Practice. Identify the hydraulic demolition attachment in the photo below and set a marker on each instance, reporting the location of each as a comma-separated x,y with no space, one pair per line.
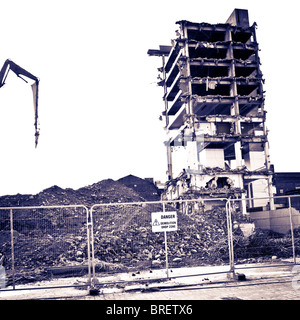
10,65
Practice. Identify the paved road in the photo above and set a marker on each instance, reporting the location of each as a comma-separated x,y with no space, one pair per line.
265,283
281,283
275,289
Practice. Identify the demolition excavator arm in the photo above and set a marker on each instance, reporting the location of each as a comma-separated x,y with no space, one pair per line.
10,65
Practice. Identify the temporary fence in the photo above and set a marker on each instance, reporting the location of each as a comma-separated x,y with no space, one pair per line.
124,237
37,243
263,235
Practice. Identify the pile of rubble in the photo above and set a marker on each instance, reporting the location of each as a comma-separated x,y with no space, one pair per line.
53,237
144,187
104,191
265,244
123,237
200,239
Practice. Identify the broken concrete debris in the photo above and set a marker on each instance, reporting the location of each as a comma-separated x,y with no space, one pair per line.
40,251
55,243
58,237
105,191
144,187
56,240
126,189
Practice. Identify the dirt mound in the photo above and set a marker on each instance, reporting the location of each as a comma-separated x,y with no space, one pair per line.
105,191
126,237
144,187
46,237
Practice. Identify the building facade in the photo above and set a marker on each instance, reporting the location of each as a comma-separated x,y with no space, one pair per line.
214,112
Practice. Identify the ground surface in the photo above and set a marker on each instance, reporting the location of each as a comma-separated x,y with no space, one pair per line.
202,283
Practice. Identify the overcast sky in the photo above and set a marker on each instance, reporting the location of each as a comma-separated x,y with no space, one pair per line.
99,104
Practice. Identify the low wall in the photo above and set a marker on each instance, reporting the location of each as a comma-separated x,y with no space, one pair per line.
276,220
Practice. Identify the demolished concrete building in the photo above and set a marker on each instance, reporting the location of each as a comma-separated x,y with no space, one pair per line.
214,112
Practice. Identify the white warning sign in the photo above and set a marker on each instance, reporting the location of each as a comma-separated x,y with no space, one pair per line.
164,221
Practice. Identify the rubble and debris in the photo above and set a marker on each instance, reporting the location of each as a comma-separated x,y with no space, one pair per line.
53,237
143,187
104,191
123,239
48,245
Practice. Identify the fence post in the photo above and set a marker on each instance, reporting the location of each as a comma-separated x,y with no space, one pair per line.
229,235
166,247
88,245
12,248
91,243
292,230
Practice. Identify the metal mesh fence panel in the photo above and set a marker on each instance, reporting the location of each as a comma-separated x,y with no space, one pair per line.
5,247
201,238
124,240
265,235
43,242
294,211
122,235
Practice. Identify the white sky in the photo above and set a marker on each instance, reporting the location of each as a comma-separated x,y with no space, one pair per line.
99,104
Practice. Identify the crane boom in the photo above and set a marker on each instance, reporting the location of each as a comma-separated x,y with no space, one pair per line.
10,65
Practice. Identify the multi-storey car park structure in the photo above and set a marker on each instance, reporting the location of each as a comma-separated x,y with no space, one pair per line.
214,111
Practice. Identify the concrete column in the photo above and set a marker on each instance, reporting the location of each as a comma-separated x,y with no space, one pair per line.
169,158
238,154
192,155
243,206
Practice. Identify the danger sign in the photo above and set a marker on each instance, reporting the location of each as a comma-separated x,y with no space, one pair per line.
164,221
